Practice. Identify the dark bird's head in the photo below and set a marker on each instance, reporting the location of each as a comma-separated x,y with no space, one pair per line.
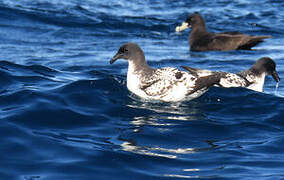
266,65
130,52
193,20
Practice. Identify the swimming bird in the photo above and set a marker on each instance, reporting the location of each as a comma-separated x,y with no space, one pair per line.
201,40
252,78
165,84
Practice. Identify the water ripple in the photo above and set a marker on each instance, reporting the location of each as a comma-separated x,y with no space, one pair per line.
66,112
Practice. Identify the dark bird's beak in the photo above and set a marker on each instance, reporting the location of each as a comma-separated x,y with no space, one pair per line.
115,57
275,76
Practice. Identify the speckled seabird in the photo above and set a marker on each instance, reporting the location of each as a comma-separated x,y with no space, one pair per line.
201,40
166,84
252,78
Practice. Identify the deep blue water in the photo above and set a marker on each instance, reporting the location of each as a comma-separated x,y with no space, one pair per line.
65,112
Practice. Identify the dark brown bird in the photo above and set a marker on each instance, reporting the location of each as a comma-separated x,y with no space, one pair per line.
201,40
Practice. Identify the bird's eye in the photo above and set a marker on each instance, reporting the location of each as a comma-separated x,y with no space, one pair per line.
189,19
123,50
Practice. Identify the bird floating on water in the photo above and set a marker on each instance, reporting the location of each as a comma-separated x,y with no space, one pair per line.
166,84
201,40
252,78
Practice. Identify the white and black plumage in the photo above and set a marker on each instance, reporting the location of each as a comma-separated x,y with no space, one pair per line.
252,78
201,40
166,84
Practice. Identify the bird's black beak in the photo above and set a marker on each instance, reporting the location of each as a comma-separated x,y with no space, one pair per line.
115,57
275,76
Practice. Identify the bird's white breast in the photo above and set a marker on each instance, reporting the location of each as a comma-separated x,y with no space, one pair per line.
257,82
133,81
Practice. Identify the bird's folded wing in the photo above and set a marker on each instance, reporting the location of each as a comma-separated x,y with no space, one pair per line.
233,80
161,81
198,72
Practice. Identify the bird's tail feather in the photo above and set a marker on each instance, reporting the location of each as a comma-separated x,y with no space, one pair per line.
253,41
262,37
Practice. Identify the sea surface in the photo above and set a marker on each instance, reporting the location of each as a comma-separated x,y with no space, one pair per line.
65,112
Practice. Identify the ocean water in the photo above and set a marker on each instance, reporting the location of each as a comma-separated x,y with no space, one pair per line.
65,112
